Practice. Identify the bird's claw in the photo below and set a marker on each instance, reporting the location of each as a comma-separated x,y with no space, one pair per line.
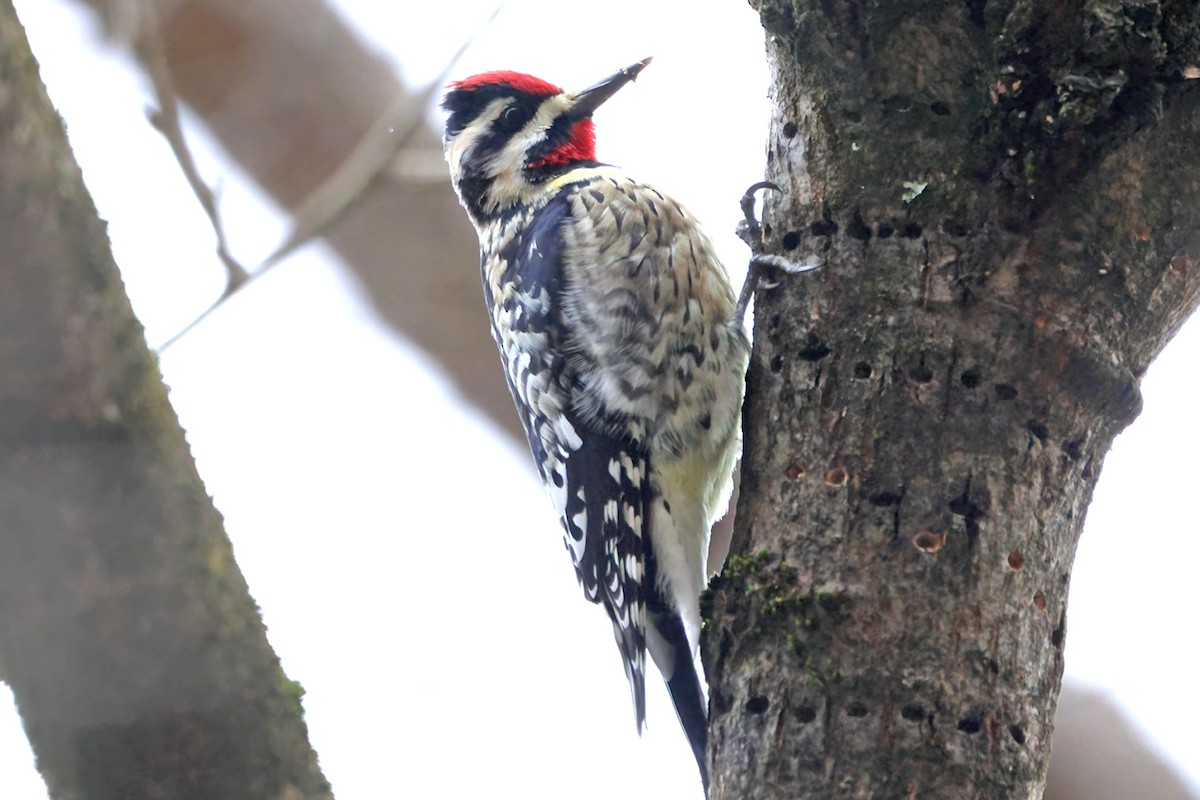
768,264
749,229
766,271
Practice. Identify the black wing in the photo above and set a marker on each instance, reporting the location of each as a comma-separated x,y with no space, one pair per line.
597,479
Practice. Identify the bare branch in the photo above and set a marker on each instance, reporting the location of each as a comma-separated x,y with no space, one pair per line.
138,19
374,154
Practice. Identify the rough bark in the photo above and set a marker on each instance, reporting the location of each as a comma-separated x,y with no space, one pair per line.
137,657
1007,199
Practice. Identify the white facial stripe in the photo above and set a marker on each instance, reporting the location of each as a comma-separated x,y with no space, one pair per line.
513,154
504,170
507,167
458,147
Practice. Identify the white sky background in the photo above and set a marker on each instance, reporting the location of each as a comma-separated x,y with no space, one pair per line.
408,566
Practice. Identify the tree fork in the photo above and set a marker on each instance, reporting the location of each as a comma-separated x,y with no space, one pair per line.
1005,198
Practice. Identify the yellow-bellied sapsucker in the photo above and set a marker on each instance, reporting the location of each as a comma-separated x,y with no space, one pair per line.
625,353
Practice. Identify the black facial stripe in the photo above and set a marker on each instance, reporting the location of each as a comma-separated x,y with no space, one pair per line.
465,105
559,133
512,119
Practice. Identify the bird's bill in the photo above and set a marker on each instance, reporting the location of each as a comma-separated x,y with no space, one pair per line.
586,102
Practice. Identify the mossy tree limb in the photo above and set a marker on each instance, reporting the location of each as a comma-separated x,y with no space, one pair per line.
137,657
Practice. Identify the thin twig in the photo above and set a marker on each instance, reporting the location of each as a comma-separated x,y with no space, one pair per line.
373,155
147,41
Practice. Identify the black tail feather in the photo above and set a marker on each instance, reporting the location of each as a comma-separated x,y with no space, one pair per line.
679,668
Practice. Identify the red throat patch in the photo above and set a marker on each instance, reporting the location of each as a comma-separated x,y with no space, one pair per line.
518,80
580,147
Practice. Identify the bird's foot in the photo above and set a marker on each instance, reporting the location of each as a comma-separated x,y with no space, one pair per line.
749,230
766,271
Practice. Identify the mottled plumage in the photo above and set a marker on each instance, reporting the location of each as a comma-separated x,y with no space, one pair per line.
616,325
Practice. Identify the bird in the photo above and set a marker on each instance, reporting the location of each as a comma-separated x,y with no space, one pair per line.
623,345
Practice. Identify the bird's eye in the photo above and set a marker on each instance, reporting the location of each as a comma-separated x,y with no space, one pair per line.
511,117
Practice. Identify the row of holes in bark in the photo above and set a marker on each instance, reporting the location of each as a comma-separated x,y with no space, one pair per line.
814,349
856,229
891,103
894,102
969,724
970,378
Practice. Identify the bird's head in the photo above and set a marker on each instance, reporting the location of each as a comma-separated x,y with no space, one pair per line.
508,133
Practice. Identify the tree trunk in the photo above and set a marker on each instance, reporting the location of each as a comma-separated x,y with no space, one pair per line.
137,657
1006,196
